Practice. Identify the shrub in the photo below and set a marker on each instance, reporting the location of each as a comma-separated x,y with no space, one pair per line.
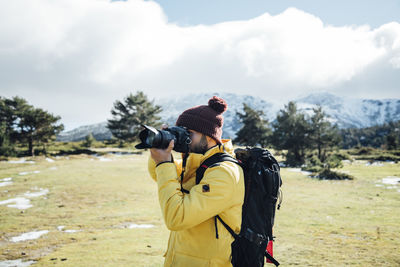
89,140
343,155
363,151
312,164
327,174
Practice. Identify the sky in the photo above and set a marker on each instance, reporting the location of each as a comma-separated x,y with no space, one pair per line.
75,58
337,13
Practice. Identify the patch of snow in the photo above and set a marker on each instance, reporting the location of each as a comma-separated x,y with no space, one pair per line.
21,161
391,187
61,228
15,263
20,203
37,194
134,225
5,183
393,180
50,160
72,231
104,159
25,173
29,236
375,163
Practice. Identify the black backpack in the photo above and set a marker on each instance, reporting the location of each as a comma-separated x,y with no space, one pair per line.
262,189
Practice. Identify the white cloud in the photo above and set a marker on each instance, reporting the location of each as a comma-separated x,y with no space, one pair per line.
92,52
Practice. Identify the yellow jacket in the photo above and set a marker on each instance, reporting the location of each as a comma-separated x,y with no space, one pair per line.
190,217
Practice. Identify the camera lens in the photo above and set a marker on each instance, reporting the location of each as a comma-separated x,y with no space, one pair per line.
150,138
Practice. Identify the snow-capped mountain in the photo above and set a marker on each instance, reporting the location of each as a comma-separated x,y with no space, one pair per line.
172,108
346,112
352,112
98,130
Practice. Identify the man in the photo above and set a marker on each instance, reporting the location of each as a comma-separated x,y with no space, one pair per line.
197,238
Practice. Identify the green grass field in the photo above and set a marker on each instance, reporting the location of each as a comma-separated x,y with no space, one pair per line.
320,223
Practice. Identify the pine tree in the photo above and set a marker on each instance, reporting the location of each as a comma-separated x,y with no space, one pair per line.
324,136
22,123
6,122
6,147
392,140
292,133
255,130
39,127
89,140
11,111
130,114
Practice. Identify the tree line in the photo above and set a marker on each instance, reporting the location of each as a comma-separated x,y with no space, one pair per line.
379,136
23,124
306,139
302,137
292,131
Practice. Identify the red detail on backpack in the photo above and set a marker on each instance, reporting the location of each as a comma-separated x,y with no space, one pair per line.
270,250
204,166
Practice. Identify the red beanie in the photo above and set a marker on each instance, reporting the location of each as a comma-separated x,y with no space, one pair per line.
206,119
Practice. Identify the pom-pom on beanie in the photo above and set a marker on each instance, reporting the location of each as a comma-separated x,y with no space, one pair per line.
206,119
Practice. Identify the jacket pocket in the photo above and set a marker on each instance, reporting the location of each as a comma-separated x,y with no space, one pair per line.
184,260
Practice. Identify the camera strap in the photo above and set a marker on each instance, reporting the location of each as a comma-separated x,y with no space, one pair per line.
183,190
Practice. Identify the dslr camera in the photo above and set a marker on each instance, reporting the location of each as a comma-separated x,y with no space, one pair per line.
153,138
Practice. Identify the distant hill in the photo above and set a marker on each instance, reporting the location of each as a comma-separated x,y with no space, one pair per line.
235,103
98,130
346,112
353,113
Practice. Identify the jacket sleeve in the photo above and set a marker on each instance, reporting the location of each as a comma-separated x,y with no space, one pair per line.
182,211
151,167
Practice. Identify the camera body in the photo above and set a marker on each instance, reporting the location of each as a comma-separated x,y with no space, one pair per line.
153,138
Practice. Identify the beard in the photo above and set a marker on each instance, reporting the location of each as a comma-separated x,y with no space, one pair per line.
201,147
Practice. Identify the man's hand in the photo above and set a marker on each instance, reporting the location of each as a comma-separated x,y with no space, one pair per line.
161,155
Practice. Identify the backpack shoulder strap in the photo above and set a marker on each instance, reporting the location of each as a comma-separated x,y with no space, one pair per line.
212,161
